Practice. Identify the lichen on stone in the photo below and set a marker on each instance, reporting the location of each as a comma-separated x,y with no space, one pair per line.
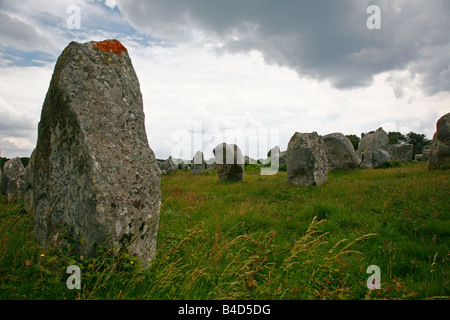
113,46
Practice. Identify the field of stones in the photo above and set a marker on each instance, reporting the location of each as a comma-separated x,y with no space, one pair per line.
94,198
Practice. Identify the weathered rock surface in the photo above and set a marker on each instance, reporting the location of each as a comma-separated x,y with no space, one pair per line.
198,163
306,160
340,152
93,173
13,180
372,149
401,152
169,166
229,162
440,147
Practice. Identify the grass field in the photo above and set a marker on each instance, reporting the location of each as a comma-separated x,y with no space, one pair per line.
260,239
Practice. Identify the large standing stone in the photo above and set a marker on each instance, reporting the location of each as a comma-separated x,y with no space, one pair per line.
440,147
94,175
198,163
306,160
13,180
229,162
340,152
372,149
401,152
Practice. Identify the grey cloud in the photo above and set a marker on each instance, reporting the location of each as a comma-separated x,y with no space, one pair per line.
324,39
15,33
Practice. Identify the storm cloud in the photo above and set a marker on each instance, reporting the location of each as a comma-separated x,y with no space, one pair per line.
322,39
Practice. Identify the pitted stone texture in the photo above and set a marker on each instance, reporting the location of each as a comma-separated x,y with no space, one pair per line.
93,173
306,160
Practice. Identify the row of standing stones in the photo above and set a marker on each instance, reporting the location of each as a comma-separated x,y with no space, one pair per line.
93,175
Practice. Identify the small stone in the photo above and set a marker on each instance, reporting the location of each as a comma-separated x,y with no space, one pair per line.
229,162
198,163
13,180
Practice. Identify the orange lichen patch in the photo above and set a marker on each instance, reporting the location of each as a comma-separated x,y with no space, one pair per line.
113,46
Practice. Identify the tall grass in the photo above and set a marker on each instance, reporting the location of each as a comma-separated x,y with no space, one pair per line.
260,239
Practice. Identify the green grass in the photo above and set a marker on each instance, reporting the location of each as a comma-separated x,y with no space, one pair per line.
260,239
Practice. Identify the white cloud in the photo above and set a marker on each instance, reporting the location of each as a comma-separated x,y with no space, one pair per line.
111,3
19,143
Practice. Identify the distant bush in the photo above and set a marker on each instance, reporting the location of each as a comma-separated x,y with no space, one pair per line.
354,139
25,161
252,168
281,167
391,164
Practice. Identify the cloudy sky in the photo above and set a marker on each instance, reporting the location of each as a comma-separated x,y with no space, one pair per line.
240,67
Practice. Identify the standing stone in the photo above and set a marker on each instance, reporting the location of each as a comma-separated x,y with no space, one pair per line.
340,152
276,156
249,160
13,180
229,162
210,164
282,159
94,175
198,163
401,152
440,147
184,165
169,166
426,151
306,160
372,149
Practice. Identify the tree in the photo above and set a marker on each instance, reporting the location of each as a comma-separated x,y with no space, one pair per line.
396,137
418,140
2,163
354,139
